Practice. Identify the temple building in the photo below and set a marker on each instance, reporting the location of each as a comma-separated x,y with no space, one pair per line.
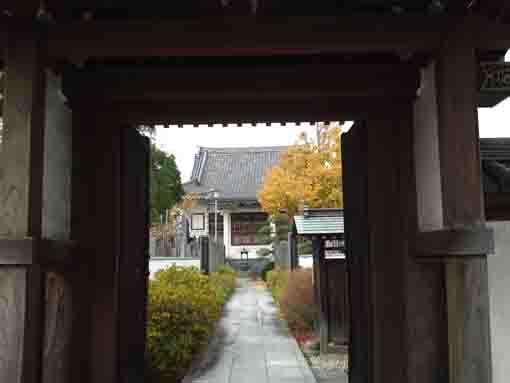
226,182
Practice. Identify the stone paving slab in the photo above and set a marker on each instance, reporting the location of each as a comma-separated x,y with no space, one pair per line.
252,345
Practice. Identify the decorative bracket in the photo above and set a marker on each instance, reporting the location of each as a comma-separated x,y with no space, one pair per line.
455,242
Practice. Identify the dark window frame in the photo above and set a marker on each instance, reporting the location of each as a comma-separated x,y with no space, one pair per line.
245,232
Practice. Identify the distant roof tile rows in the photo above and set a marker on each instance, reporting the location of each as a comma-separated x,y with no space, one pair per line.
235,173
495,156
320,221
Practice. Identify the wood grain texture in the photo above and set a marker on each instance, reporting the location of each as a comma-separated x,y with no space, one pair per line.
337,300
81,228
133,257
57,330
21,198
56,206
466,280
426,153
264,36
12,319
321,293
425,309
387,251
16,251
254,36
458,137
228,111
21,176
357,242
248,82
460,243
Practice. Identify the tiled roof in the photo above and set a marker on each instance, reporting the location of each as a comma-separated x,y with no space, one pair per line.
495,156
320,221
235,173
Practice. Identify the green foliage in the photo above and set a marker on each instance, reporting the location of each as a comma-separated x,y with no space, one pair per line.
264,233
264,252
166,186
184,306
304,246
267,268
275,228
277,281
224,281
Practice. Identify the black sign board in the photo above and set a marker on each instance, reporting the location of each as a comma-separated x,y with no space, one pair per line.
495,77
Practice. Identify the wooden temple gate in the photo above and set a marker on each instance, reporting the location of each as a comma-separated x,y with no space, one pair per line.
80,74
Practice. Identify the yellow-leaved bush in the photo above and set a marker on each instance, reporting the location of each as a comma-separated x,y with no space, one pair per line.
293,291
184,306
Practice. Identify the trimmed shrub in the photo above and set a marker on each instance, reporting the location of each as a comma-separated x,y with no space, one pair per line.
224,282
297,301
184,306
293,291
277,280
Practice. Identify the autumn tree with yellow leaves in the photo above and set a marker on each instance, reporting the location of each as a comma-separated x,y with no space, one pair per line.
308,173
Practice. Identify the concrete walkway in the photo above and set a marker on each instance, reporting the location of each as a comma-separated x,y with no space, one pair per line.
253,345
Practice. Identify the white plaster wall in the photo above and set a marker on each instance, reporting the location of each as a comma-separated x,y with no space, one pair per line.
499,287
305,261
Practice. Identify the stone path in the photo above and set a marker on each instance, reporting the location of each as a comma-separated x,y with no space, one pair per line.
253,345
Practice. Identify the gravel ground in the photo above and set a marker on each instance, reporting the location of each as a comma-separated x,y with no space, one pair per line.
328,368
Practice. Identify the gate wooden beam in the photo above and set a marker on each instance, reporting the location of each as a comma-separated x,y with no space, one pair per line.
497,9
261,83
21,8
33,250
229,111
470,242
245,36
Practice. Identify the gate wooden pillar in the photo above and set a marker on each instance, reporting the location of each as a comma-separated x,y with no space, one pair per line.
395,302
35,275
450,209
110,220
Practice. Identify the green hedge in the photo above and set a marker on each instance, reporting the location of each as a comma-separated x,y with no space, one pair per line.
184,306
277,280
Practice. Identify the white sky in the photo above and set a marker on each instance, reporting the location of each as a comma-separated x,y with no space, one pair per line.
184,142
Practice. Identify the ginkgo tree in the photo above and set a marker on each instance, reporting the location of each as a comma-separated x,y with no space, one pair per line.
307,173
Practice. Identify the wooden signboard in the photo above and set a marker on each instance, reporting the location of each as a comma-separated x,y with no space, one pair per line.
495,77
494,80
